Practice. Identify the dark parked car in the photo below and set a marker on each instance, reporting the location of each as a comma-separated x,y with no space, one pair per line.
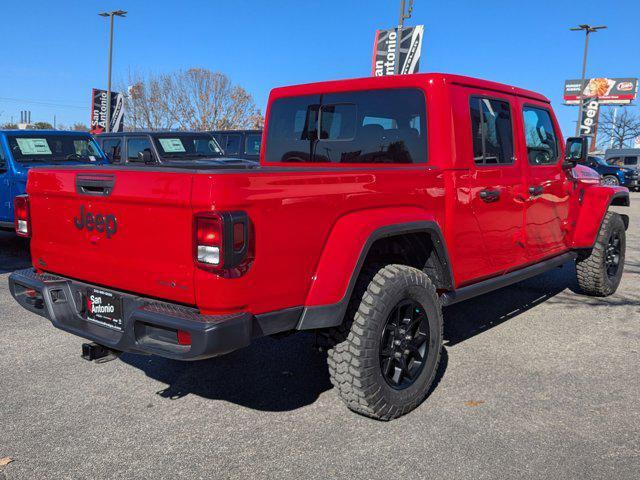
613,174
175,149
240,143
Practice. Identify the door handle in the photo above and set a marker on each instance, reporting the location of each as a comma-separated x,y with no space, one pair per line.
489,195
536,190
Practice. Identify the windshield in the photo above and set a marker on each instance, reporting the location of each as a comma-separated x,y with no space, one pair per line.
599,161
187,146
51,148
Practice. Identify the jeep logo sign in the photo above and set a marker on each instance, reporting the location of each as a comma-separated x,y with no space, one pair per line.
98,222
589,119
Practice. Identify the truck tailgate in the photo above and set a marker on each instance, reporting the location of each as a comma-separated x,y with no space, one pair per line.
128,230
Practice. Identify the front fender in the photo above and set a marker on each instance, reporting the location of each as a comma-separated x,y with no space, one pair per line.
593,203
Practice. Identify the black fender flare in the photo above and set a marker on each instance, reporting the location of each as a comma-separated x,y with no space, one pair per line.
324,316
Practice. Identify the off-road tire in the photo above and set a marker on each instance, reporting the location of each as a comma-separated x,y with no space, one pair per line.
591,267
354,357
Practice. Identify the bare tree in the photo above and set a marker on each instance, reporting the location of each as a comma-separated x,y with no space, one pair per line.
80,127
194,99
619,130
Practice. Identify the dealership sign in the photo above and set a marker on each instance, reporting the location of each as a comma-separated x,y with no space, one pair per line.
397,51
99,111
618,91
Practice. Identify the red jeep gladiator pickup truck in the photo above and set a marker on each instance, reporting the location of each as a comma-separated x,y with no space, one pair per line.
378,201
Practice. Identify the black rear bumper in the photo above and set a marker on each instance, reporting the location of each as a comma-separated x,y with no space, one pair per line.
149,326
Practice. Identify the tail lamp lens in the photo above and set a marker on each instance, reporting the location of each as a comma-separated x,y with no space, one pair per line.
222,240
21,213
209,240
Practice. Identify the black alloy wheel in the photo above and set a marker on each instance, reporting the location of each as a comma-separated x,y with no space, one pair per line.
404,344
612,254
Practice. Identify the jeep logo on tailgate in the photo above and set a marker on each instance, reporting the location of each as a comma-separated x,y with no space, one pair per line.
98,222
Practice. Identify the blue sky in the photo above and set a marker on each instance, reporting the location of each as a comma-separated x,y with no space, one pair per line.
55,51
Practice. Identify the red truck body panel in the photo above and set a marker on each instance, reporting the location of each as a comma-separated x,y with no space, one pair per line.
311,221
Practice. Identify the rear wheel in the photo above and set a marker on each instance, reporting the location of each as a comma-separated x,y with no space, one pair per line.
610,180
600,271
388,358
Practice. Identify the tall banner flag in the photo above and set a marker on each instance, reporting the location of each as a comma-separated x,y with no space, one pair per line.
98,122
589,120
397,51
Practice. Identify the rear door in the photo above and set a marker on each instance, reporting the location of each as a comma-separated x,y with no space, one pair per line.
548,188
127,229
496,177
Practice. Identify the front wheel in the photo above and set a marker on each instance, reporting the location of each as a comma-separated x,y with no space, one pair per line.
386,363
600,271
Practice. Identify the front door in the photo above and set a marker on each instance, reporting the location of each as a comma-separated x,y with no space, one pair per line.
547,188
496,177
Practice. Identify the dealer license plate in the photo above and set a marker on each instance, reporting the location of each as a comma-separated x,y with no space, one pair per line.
104,308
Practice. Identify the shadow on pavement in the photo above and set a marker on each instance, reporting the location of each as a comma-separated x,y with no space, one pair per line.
14,252
286,374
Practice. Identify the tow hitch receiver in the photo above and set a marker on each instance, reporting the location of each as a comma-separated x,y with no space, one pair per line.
99,353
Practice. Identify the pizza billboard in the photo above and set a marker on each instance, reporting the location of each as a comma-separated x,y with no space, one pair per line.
613,91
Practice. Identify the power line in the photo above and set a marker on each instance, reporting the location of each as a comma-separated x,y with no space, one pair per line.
41,102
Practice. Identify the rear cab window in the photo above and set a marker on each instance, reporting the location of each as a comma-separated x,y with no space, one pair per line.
375,126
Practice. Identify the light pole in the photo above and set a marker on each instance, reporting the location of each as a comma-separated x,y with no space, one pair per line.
404,14
587,30
111,15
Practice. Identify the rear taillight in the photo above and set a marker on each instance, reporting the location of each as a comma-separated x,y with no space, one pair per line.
22,217
209,240
222,241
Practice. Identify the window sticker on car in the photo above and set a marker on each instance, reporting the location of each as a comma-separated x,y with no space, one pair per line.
172,145
33,146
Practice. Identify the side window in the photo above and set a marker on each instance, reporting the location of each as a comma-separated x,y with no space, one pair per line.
222,140
614,161
234,141
492,131
252,144
631,160
135,146
542,142
3,162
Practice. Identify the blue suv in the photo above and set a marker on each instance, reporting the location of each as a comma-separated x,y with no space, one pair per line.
20,150
612,174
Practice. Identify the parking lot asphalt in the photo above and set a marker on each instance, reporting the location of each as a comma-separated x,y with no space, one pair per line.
537,381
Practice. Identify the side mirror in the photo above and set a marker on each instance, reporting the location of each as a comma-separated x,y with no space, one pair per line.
145,157
576,151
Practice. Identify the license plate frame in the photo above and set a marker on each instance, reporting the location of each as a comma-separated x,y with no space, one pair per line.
104,308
